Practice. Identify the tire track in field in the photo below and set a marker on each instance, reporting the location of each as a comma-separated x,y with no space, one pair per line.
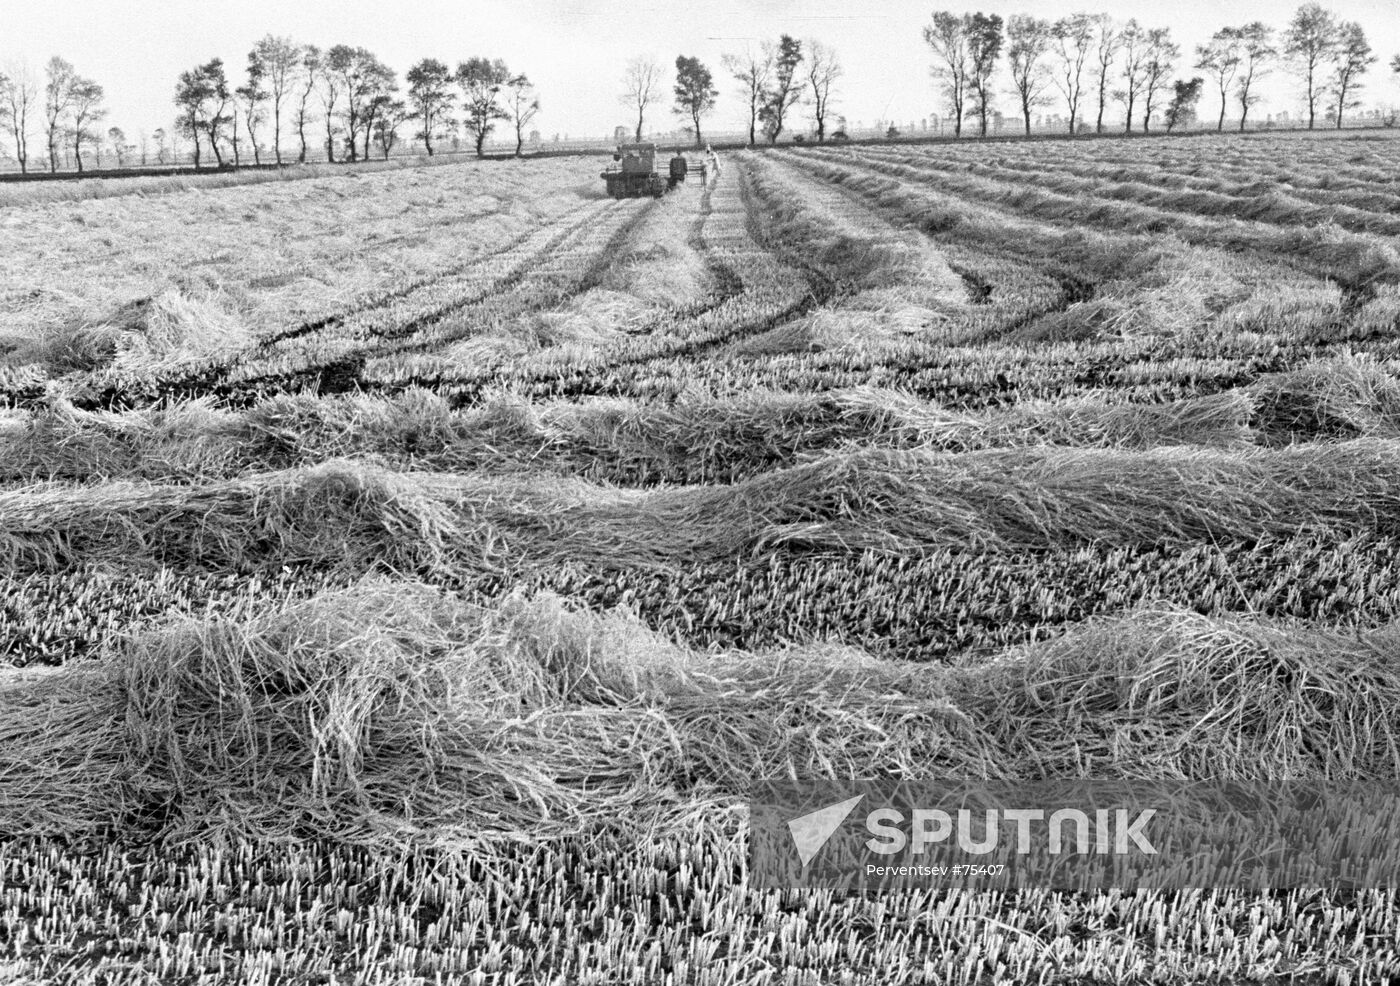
971,262
1330,257
756,292
245,381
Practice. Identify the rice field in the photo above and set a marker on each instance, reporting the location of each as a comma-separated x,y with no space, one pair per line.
405,573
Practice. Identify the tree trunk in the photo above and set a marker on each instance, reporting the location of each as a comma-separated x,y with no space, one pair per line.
78,153
640,113
1220,126
428,134
277,132
481,143
695,118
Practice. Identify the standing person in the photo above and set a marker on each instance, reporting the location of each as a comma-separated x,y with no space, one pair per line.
679,167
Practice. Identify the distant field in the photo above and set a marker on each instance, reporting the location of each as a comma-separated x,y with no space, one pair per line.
434,554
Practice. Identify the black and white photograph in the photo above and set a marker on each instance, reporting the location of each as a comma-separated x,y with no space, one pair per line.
691,493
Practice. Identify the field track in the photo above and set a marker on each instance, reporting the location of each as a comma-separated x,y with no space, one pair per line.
434,556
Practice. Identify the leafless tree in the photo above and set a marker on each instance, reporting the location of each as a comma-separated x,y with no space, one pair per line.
753,72
19,98
1310,42
823,70
58,97
642,86
1162,53
952,66
1221,58
1073,38
85,98
308,82
1135,54
1110,42
1029,40
1256,50
522,103
276,61
1353,58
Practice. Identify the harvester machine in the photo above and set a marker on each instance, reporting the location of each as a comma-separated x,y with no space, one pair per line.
633,172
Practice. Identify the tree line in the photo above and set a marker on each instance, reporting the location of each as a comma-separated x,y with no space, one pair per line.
773,80
342,98
347,101
1093,56
351,99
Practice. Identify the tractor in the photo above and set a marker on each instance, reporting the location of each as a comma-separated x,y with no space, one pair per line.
633,173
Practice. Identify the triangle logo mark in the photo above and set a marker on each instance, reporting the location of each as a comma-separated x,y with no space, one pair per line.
811,831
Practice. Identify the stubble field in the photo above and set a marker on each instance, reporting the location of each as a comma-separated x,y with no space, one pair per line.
405,573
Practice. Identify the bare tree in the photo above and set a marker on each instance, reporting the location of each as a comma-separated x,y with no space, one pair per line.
753,72
1310,42
19,96
58,97
250,99
1256,51
328,89
641,87
1029,40
275,62
984,40
1162,53
522,103
1110,42
308,82
85,98
1353,58
952,66
1135,55
482,80
1221,58
1073,38
430,95
823,70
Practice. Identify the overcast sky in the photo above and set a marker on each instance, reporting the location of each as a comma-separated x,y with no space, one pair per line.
575,51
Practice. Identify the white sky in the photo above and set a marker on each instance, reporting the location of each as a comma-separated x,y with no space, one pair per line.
575,50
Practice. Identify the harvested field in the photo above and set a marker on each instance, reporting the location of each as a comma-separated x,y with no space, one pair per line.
404,573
